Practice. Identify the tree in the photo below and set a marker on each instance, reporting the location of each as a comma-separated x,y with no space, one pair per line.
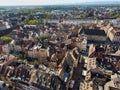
32,22
23,18
6,38
44,37
35,62
20,56
6,12
81,16
114,15
41,21
30,17
118,16
48,16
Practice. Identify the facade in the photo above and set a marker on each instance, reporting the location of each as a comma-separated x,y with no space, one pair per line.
71,21
75,56
86,85
82,42
33,53
6,48
65,70
90,63
93,34
114,83
112,32
17,48
42,55
114,35
4,25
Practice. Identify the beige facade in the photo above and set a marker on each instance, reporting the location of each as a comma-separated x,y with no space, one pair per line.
81,42
33,53
112,83
90,63
6,49
112,32
75,59
96,38
17,48
86,74
114,36
86,85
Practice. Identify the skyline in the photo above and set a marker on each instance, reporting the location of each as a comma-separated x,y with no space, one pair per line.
48,2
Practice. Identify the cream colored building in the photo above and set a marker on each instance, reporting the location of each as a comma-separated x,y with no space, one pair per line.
115,83
114,35
4,25
33,52
90,63
86,85
86,74
75,57
6,48
81,42
112,32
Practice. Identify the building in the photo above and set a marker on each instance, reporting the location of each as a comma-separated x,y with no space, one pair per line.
114,83
33,52
93,34
86,85
66,67
86,74
112,31
89,63
114,35
6,48
4,25
81,42
43,55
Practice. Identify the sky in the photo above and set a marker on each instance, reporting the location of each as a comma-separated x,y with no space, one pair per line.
44,2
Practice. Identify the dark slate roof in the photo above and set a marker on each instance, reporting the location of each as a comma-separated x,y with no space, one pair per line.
93,32
18,42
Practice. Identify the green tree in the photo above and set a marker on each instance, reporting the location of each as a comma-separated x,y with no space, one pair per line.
49,16
23,18
81,16
41,21
44,37
30,16
6,12
32,22
6,38
35,62
114,15
118,16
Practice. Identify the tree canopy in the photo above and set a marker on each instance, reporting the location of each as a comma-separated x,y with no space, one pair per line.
6,38
34,22
81,16
114,14
44,37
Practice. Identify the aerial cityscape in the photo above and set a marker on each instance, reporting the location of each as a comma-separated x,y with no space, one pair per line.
60,45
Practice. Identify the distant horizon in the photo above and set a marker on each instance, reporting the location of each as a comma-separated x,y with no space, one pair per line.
55,2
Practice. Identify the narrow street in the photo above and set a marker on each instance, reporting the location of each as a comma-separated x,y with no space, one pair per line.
77,76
